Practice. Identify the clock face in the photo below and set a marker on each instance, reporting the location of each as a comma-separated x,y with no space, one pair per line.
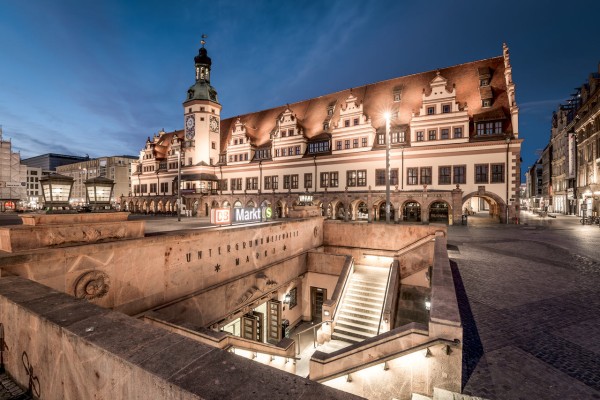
189,127
214,124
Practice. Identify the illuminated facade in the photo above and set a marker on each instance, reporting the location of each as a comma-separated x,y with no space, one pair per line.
453,138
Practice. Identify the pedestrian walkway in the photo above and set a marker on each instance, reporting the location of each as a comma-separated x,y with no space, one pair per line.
528,297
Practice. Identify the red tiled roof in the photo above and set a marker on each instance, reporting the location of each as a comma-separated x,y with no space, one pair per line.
377,98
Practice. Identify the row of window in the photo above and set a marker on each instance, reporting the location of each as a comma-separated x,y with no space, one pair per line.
489,128
444,134
346,143
32,179
287,151
241,157
446,108
456,174
143,188
447,175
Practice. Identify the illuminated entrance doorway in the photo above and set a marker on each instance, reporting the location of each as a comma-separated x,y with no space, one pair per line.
262,324
317,297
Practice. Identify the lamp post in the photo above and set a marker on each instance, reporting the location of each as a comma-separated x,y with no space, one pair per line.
179,186
387,167
507,176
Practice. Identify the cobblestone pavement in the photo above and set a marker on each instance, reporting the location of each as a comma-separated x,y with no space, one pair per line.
530,307
10,391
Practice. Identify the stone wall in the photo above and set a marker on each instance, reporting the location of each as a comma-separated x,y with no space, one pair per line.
77,350
135,275
385,237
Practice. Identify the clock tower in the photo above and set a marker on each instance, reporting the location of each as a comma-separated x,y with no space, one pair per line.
202,111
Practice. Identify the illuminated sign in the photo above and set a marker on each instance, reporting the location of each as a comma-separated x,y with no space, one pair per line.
223,216
252,214
220,216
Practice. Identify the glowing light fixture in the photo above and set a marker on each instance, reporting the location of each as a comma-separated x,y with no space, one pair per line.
57,191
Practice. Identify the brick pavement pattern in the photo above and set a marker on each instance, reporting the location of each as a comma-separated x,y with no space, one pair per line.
530,307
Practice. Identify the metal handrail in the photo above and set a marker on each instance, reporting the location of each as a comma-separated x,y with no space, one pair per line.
314,327
391,356
387,286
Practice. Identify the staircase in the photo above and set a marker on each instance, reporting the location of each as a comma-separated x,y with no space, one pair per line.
360,310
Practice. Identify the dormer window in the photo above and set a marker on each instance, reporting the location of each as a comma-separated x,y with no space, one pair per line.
346,123
325,126
484,82
397,95
291,132
283,133
241,141
235,141
486,103
430,110
355,121
489,128
445,108
330,111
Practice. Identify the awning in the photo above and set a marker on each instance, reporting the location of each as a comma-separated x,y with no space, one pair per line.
198,177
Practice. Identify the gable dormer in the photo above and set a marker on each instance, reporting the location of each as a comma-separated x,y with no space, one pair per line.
289,139
351,113
440,118
353,131
239,148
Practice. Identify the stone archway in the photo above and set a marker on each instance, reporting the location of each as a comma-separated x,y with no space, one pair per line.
339,210
411,211
497,206
440,212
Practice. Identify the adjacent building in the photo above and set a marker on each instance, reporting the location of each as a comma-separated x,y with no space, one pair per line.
116,168
570,176
35,197
452,136
50,161
12,177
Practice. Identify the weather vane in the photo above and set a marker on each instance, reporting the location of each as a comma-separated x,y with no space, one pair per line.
203,42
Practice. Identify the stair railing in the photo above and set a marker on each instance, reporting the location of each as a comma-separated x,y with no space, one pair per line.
314,329
386,294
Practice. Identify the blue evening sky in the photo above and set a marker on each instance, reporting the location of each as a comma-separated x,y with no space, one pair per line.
98,77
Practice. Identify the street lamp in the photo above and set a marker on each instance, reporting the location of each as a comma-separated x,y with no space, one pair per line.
387,167
99,191
57,191
179,185
507,176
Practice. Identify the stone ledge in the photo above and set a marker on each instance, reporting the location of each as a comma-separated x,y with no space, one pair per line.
31,237
109,355
84,218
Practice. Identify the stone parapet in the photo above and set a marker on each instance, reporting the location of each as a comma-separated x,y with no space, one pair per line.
84,218
37,236
77,350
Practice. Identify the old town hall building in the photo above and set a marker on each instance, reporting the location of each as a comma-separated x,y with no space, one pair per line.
453,139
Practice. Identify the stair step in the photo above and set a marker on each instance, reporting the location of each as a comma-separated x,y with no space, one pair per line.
371,318
366,299
357,335
368,306
345,338
354,324
367,287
